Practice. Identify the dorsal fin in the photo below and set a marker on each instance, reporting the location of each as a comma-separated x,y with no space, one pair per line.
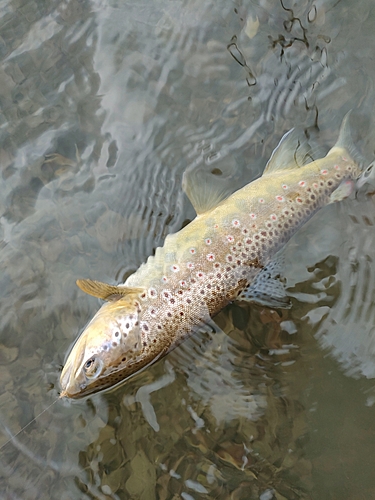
105,291
293,151
205,191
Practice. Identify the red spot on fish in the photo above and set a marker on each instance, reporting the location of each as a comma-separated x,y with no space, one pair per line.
280,198
284,186
208,241
261,200
337,167
210,257
253,216
302,183
230,238
299,200
324,172
273,217
190,265
192,251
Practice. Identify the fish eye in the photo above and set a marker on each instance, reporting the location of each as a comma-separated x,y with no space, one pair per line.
89,363
92,367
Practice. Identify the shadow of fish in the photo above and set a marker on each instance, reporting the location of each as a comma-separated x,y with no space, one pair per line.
226,253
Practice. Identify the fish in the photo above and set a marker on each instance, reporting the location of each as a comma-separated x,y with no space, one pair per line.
228,252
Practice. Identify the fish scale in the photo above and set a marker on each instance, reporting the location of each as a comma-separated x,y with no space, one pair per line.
214,260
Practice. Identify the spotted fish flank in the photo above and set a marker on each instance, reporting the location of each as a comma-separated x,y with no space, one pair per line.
224,254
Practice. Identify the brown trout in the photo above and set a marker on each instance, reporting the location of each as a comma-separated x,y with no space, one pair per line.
224,254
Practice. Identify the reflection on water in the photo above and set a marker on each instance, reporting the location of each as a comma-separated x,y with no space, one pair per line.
103,107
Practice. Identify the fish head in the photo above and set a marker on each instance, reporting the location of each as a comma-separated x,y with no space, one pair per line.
107,351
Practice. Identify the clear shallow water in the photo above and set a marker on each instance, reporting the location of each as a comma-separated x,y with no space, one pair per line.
103,107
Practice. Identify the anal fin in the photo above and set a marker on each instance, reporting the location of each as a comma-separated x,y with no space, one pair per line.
205,190
293,151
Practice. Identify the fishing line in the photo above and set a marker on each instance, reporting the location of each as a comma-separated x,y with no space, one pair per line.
12,437
60,468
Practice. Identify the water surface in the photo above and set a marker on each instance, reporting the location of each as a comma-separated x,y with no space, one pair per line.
103,107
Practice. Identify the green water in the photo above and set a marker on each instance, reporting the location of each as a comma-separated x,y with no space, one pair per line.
103,107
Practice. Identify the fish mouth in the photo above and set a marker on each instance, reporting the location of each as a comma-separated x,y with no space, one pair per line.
72,382
72,385
65,393
65,377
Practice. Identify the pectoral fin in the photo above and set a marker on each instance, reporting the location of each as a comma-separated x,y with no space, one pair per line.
105,291
268,287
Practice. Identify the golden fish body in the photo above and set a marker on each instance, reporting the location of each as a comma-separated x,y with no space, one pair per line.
201,268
